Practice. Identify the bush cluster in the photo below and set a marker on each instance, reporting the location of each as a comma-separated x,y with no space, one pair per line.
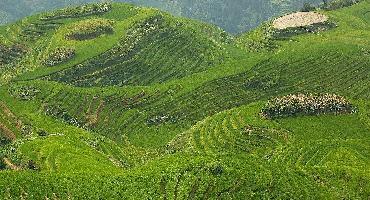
80,11
10,53
293,31
91,28
307,7
4,141
2,164
260,39
17,160
59,112
59,55
262,82
337,4
24,92
329,5
306,104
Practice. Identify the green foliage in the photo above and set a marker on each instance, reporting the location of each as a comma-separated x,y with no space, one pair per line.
259,40
9,54
24,92
79,11
309,104
2,165
91,28
262,82
337,4
4,141
307,7
58,112
59,55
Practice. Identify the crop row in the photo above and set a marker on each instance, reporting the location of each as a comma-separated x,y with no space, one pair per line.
35,29
199,178
153,51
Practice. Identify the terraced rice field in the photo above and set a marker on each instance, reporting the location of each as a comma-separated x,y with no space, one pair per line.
170,108
154,51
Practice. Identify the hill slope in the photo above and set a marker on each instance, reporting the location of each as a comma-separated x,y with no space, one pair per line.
147,105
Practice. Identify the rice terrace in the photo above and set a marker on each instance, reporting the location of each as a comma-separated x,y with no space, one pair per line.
179,100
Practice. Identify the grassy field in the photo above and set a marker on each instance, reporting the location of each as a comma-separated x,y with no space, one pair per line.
170,108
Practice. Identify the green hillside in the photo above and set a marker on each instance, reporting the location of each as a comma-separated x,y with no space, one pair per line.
112,101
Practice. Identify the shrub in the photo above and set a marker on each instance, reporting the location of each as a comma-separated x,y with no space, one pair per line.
42,133
306,104
262,82
307,7
59,55
57,111
79,11
260,39
89,29
24,92
2,164
10,53
293,31
337,4
32,165
215,169
4,140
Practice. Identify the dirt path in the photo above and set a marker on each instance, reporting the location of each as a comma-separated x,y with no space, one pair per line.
7,132
11,115
10,164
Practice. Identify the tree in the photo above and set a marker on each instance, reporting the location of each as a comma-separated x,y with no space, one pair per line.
307,7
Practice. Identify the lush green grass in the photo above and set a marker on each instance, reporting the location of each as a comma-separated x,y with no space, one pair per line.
169,108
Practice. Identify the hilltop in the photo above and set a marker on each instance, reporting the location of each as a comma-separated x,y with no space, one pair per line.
112,100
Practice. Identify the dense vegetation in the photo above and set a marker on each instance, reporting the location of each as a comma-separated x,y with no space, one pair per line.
59,55
90,29
164,107
10,53
306,104
79,11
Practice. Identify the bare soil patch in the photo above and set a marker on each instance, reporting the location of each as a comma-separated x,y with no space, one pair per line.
299,19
